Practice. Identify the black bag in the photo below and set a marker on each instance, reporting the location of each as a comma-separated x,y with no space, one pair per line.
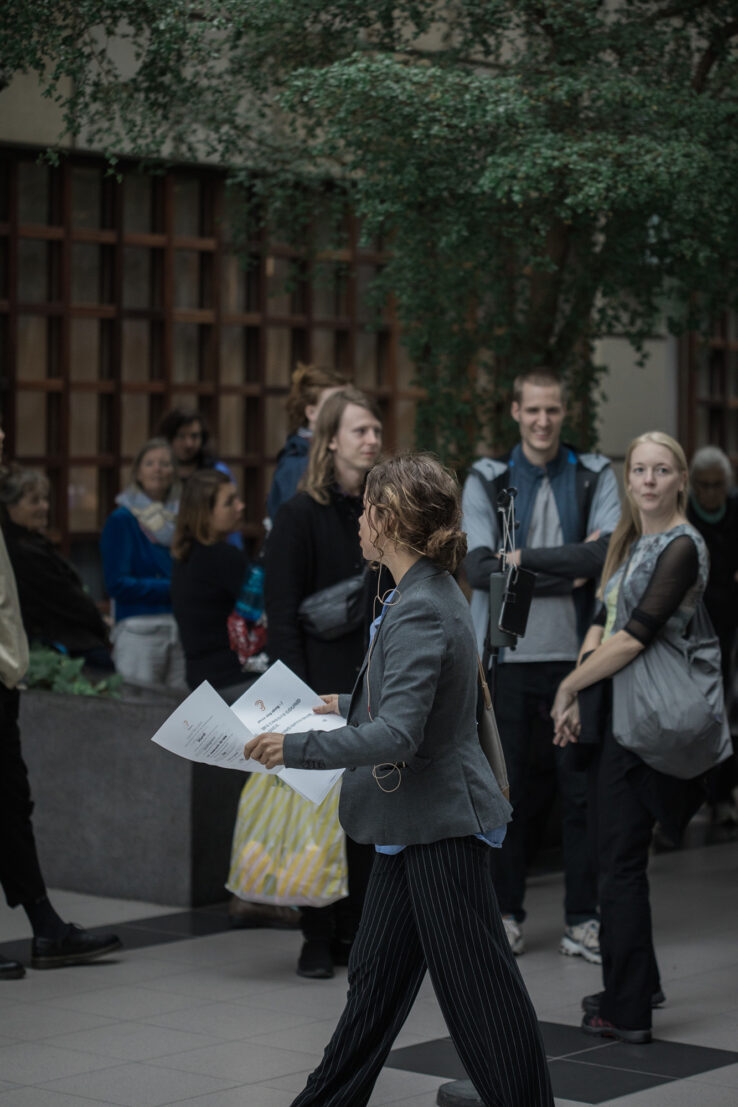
335,611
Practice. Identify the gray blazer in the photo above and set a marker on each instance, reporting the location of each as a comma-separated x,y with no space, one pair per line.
414,701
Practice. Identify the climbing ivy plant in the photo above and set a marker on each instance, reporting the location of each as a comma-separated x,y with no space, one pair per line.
543,172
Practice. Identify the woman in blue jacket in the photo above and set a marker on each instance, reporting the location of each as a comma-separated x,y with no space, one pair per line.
137,562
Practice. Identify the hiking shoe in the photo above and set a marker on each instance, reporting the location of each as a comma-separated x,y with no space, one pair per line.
583,940
591,1004
514,933
594,1024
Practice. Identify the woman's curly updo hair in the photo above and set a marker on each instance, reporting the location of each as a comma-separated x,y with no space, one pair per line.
418,501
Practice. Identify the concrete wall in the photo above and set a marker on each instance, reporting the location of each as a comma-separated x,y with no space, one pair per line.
115,814
25,116
638,399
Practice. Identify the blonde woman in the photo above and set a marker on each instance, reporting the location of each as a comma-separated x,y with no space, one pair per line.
657,564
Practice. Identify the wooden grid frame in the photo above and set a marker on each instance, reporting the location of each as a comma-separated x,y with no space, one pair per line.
121,297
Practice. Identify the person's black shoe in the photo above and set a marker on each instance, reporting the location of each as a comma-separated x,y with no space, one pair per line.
75,948
594,1024
315,960
591,1004
11,970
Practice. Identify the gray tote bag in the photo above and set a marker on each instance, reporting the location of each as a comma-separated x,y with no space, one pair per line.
668,705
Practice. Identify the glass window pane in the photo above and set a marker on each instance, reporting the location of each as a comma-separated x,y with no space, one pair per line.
83,498
86,197
83,423
33,192
233,284
366,360
193,285
275,427
278,353
279,297
38,271
138,203
134,423
185,353
136,350
231,425
187,220
365,311
31,422
84,349
142,271
86,274
232,355
405,367
405,424
324,346
33,354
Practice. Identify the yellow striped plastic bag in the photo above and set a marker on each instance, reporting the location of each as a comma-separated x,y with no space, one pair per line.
286,850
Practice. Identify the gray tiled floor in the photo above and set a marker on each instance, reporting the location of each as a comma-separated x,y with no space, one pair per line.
222,1020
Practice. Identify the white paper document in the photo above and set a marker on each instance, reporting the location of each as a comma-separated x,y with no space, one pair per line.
204,728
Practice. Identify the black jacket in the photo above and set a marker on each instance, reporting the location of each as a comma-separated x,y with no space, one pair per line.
721,539
310,547
205,588
53,601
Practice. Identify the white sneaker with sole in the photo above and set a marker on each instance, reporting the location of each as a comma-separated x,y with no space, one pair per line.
514,932
583,940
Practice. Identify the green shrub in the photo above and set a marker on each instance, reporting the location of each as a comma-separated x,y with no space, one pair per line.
57,672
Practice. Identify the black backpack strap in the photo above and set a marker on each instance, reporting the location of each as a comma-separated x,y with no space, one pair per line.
586,482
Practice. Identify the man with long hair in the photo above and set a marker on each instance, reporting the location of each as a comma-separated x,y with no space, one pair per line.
315,544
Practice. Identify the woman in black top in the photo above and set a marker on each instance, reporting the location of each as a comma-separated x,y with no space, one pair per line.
207,576
654,576
56,609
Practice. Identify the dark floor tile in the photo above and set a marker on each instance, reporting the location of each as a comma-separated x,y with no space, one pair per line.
436,1058
184,924
595,1083
676,1060
561,1041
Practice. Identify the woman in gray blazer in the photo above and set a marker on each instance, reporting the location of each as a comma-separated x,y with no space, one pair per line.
418,787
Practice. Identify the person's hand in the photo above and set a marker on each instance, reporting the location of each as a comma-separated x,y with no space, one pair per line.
513,558
267,749
329,706
565,714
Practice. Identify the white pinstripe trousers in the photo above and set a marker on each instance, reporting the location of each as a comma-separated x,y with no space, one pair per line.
433,906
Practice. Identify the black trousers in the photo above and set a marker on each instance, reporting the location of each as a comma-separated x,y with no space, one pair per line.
20,873
341,919
624,822
433,907
524,695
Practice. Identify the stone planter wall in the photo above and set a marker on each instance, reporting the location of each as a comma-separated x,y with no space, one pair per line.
116,815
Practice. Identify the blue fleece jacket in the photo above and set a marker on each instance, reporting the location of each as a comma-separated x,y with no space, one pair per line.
137,571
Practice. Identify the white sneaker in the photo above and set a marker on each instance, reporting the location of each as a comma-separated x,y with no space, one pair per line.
514,932
583,940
